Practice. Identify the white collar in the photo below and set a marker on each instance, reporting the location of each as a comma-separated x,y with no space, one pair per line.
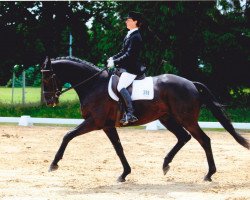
131,31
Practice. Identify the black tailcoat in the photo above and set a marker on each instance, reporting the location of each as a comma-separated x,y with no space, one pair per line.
128,57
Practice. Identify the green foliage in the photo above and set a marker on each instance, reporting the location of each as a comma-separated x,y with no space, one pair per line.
170,69
200,40
240,97
235,114
32,77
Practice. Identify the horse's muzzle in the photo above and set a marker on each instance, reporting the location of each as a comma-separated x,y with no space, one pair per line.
52,102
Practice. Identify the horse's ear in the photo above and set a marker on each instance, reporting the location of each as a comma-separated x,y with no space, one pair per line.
47,62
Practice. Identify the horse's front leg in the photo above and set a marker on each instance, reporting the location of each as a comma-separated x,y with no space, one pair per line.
87,126
115,140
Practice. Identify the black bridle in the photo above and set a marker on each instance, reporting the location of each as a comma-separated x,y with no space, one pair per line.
55,87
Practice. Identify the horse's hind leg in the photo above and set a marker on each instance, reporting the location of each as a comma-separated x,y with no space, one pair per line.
182,136
204,141
114,138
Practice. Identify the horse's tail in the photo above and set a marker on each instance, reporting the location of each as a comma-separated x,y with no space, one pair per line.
217,110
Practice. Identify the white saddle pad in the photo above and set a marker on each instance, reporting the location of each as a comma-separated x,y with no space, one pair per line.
142,89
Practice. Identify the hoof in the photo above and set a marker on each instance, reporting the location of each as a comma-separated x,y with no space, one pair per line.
53,167
166,169
120,179
206,178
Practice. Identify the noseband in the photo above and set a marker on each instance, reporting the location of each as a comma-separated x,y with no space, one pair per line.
56,92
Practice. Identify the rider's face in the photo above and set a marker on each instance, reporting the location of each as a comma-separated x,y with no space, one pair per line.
131,24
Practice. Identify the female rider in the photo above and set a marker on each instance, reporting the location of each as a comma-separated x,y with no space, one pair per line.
128,60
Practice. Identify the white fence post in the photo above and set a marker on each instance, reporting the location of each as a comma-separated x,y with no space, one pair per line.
13,87
23,93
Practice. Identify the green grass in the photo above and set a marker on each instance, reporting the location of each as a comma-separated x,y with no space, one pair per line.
32,95
69,107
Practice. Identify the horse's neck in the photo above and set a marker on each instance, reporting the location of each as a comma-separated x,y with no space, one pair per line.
73,73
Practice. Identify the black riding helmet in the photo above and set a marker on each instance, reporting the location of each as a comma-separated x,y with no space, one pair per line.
136,16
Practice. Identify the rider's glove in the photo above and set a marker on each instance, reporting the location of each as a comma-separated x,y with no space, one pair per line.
110,62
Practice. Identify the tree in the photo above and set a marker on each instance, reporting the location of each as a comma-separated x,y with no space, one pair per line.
29,31
14,22
198,41
202,41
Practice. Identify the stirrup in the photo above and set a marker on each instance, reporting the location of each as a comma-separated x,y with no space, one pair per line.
128,117
131,118
124,120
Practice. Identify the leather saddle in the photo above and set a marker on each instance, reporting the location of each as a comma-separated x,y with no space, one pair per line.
115,79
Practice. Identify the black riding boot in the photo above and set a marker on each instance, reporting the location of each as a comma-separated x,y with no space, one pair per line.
129,116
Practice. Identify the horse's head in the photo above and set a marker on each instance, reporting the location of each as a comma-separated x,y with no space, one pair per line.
51,85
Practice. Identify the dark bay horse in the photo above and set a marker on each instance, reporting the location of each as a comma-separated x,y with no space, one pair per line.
176,104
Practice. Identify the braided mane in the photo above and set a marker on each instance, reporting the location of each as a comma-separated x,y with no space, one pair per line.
78,60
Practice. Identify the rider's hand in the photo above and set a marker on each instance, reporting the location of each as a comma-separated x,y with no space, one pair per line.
110,62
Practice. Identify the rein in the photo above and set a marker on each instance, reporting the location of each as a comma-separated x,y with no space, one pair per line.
58,93
78,84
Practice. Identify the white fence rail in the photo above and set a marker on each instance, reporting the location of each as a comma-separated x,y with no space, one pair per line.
27,120
156,125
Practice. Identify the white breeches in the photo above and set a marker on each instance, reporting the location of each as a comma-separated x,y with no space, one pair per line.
125,80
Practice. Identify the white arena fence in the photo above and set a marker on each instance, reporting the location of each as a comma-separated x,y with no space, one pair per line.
155,125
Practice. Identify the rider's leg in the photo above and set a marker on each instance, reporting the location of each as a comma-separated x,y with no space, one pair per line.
129,116
125,80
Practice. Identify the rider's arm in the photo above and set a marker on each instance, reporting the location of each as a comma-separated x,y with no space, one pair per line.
119,54
131,53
